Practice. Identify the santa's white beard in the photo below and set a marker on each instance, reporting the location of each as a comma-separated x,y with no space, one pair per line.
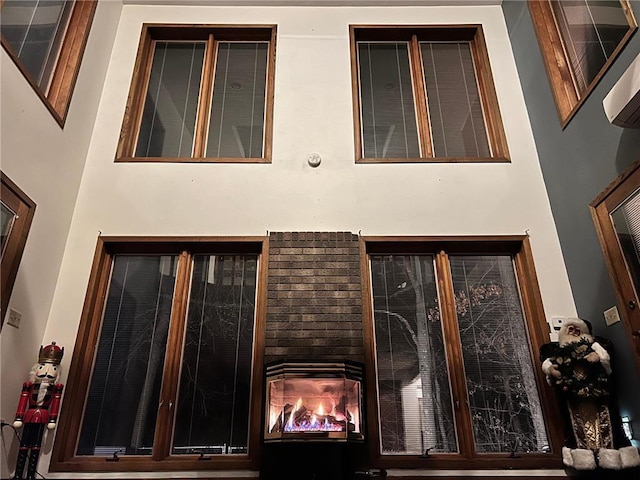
566,339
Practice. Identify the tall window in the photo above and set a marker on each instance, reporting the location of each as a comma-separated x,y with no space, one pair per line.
201,94
425,95
46,41
17,214
453,344
579,40
172,372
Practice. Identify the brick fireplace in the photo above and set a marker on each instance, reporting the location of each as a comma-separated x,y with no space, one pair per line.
314,313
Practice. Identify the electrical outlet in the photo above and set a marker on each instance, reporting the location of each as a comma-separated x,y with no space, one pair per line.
14,318
611,316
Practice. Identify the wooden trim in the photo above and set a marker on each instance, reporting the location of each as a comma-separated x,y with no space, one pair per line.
355,92
171,374
190,160
63,457
436,160
211,34
79,376
371,381
455,361
567,98
420,98
601,208
441,247
57,97
270,94
205,98
257,380
24,208
413,34
137,96
488,97
538,334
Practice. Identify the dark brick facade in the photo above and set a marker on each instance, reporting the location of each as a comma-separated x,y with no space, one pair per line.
314,305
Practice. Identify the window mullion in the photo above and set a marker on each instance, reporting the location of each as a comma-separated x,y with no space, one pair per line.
204,104
419,88
464,427
171,373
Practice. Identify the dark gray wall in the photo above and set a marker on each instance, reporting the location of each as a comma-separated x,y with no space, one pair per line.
577,164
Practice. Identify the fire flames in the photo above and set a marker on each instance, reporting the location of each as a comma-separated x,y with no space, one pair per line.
328,415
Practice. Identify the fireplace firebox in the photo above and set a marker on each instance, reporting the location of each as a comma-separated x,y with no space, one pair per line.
314,402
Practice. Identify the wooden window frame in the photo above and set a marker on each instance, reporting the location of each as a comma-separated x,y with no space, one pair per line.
414,34
63,458
601,207
519,247
57,97
140,81
567,97
25,208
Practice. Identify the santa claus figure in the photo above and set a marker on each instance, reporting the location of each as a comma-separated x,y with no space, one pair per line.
38,407
578,366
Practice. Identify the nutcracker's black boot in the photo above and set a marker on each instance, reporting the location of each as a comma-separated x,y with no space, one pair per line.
20,463
33,464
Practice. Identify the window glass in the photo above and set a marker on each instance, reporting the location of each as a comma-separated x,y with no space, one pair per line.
171,105
591,31
389,127
626,222
236,127
34,29
455,109
502,393
489,333
8,217
212,413
123,399
414,395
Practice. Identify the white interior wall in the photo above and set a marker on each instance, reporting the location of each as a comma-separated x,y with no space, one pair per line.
46,162
313,113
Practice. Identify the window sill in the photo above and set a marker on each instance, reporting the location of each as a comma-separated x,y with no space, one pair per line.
147,464
436,160
534,461
190,160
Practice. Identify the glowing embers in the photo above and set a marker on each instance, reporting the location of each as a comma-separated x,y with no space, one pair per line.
313,402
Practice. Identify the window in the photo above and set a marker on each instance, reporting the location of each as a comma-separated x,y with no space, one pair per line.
579,40
616,214
201,94
424,94
17,213
454,325
46,41
166,358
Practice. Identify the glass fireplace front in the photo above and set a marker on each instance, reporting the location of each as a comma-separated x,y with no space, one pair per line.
314,401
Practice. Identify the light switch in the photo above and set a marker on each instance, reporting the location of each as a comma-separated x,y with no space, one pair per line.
611,316
14,318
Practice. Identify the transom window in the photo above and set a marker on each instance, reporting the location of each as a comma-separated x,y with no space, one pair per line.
579,40
453,342
172,371
201,94
425,95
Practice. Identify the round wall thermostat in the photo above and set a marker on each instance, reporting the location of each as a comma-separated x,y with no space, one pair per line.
314,159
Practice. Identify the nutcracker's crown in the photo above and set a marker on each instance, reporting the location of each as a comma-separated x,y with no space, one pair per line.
51,354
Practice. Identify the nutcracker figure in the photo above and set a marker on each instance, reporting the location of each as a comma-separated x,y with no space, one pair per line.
38,407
